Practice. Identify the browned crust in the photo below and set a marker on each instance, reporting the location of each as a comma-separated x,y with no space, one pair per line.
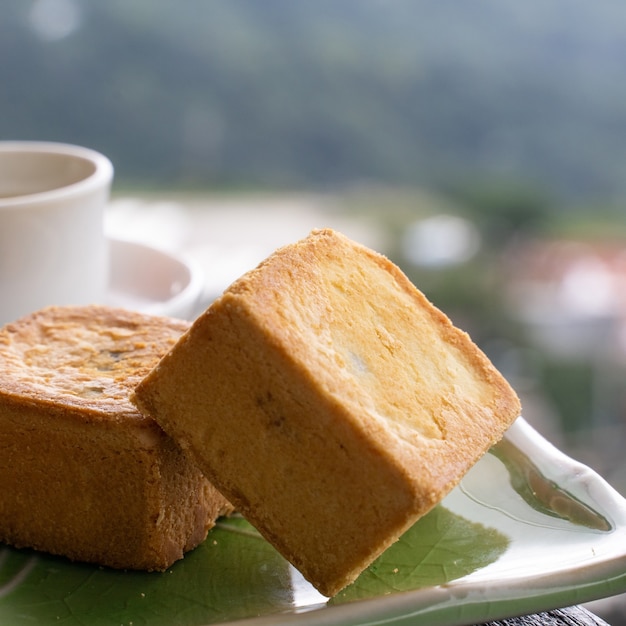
330,402
82,473
92,357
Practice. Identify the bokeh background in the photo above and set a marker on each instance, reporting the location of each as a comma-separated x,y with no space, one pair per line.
481,144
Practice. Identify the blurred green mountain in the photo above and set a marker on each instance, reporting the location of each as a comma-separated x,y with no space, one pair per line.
280,93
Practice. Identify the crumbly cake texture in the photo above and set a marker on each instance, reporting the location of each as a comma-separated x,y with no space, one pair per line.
82,473
330,402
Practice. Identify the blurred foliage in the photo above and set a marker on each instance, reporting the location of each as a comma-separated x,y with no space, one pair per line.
233,92
505,208
569,385
591,222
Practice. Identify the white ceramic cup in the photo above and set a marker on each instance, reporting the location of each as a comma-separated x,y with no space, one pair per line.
53,249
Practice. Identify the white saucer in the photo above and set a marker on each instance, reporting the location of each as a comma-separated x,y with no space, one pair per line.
152,281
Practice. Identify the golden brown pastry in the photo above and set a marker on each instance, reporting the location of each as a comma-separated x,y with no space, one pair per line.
82,472
330,402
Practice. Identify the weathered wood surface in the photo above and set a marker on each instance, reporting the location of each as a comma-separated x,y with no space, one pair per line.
572,616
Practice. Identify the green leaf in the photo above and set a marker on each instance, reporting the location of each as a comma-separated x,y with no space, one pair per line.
439,548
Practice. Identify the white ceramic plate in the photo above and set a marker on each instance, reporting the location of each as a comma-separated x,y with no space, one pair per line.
153,281
527,529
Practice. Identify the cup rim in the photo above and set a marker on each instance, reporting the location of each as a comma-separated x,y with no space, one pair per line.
101,176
